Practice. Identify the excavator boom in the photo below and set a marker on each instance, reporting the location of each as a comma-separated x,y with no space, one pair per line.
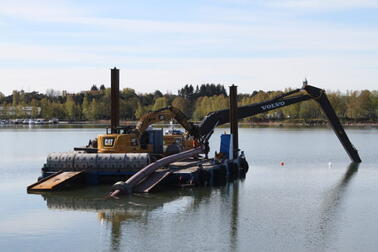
307,92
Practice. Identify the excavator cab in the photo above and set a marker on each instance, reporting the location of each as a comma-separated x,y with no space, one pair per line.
178,137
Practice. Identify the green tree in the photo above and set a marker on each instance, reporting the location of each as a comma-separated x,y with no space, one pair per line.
58,110
128,93
94,88
292,111
366,105
4,112
72,110
160,102
15,98
219,102
20,111
359,105
157,94
203,107
94,115
128,108
183,105
104,103
34,106
338,103
86,109
309,110
45,108
374,104
22,99
141,110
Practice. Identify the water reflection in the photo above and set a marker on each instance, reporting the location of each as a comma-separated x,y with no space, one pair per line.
136,208
234,215
152,211
331,208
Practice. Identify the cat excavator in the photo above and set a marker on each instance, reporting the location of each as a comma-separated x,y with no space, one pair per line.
141,139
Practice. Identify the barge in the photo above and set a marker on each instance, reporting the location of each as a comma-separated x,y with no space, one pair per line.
141,158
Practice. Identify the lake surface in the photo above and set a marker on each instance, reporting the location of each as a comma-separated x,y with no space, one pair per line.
317,201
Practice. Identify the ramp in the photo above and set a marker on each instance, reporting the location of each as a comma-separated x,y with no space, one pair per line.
56,181
150,182
129,185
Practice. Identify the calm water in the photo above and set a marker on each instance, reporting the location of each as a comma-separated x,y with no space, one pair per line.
305,205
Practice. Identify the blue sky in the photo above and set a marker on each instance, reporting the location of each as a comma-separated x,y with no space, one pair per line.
268,45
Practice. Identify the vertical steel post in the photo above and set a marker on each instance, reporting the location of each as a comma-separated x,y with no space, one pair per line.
114,81
234,120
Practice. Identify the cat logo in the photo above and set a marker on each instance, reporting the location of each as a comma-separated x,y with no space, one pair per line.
108,142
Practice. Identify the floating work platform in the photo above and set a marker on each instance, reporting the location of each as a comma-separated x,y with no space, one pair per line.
57,181
189,173
185,173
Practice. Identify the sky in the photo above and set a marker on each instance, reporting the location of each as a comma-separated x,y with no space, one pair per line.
254,44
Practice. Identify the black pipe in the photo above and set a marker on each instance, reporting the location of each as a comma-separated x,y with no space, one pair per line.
234,120
114,80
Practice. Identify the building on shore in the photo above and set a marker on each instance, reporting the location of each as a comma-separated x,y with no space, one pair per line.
12,111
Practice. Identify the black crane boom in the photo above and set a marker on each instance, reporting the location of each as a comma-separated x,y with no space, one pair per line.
307,92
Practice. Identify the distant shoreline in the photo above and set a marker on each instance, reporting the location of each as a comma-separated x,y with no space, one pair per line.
304,123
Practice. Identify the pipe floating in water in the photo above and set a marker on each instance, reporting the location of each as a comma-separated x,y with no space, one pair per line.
128,186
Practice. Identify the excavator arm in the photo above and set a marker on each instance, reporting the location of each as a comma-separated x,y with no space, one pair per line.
321,98
307,92
165,114
222,116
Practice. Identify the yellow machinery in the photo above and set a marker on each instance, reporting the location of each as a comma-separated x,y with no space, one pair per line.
180,138
121,143
137,140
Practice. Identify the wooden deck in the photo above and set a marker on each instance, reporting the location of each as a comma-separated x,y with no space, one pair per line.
190,165
55,181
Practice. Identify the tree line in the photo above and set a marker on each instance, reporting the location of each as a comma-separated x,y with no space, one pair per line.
195,102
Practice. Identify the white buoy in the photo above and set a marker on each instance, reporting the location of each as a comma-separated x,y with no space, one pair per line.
329,164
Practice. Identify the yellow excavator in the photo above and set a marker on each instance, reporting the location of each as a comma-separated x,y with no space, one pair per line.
141,139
